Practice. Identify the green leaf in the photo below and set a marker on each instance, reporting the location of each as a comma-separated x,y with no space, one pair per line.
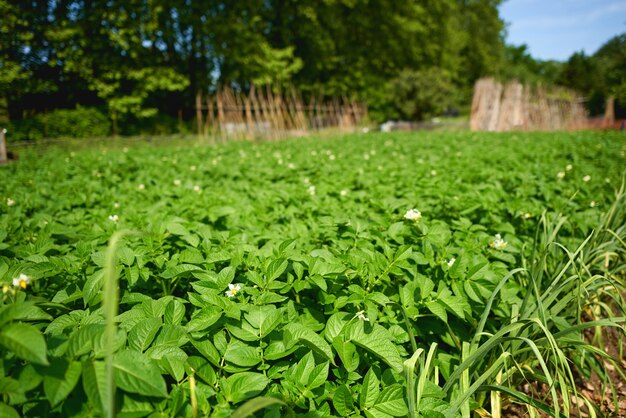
369,390
438,309
141,335
207,350
299,333
204,318
174,312
59,379
377,340
275,269
342,400
26,311
391,401
242,354
244,385
300,373
25,341
178,270
347,353
254,405
94,384
8,412
136,373
318,376
264,318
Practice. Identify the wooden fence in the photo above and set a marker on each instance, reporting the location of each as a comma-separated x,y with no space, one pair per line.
269,114
497,107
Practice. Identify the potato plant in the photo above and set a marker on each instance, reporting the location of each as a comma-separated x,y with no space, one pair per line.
375,275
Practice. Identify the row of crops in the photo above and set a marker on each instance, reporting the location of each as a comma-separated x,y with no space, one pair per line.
376,275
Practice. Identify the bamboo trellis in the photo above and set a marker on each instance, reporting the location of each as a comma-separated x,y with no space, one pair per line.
271,114
517,107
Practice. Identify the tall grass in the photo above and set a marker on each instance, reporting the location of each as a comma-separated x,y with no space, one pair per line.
571,293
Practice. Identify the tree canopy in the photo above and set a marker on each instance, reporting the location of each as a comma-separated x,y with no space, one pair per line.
138,61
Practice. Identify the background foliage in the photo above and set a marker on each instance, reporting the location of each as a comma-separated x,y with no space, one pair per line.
136,59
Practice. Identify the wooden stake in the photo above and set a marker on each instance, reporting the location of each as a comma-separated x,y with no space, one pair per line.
3,147
199,115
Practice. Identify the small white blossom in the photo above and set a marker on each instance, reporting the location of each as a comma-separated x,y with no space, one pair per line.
527,215
193,168
451,262
332,157
433,173
291,166
4,130
586,178
592,204
22,281
569,167
366,157
233,289
177,182
114,218
311,190
197,189
306,180
498,243
560,174
116,205
362,317
344,192
10,202
141,187
413,215
280,161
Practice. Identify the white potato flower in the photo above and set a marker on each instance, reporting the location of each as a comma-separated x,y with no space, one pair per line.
311,190
498,243
22,281
344,192
233,289
560,174
362,317
177,182
569,167
141,187
451,262
10,202
586,178
413,215
114,218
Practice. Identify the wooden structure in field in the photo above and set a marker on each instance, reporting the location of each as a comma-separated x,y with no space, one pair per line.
270,114
513,106
3,146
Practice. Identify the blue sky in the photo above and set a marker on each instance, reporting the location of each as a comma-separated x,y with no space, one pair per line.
554,29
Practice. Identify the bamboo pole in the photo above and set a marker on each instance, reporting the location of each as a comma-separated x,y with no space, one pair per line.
199,115
220,114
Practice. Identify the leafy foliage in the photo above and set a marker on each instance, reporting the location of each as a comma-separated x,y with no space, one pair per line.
242,291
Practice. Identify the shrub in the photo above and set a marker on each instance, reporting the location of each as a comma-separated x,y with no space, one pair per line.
76,123
418,95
